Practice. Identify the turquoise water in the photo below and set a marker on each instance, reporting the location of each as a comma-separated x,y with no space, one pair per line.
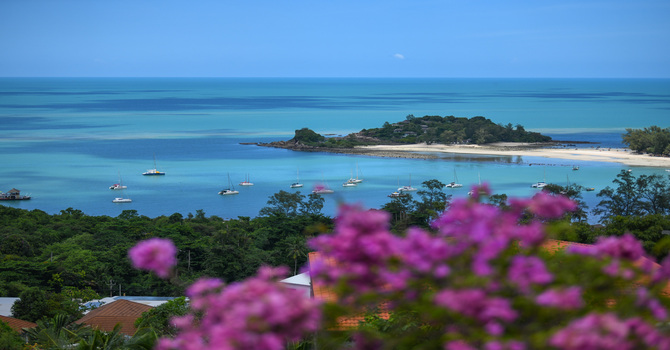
65,141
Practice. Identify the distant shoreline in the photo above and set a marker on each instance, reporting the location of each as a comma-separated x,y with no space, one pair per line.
424,151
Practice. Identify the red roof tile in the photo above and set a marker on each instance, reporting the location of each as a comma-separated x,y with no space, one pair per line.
121,311
17,324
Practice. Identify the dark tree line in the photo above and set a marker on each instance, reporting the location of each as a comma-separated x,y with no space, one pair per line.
651,140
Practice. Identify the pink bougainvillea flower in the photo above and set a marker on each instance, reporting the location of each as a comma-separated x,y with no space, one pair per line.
550,206
156,254
565,299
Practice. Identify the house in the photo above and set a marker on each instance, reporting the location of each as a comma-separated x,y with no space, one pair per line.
16,324
300,282
120,311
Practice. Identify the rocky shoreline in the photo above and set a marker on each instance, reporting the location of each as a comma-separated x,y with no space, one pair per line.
297,146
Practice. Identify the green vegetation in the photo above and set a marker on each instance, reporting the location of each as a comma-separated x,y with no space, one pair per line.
53,262
428,129
652,140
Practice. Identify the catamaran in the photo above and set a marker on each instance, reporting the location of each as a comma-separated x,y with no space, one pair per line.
454,184
118,186
230,190
246,181
153,171
408,188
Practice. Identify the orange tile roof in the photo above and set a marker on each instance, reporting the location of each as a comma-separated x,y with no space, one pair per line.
17,324
121,311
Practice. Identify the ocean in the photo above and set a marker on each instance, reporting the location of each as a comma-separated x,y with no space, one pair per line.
64,141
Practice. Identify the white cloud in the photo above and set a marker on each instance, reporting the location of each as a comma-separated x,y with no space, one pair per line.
399,56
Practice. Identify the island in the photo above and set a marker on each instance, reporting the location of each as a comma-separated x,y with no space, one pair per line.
429,136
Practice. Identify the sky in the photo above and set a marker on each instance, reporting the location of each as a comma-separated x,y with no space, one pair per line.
319,38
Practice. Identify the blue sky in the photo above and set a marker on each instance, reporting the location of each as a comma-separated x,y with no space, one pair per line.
314,38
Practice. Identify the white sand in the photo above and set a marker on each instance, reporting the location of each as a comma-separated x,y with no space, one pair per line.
616,155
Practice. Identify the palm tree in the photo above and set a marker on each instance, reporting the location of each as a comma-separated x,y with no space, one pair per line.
295,247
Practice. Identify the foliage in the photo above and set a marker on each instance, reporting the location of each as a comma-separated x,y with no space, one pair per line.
158,318
428,129
647,194
9,338
482,279
307,136
652,140
31,306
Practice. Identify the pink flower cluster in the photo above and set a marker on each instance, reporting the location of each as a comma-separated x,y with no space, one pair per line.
481,265
624,247
475,303
607,331
155,254
567,299
258,313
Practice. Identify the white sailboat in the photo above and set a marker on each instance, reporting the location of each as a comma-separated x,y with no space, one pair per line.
297,183
323,188
230,190
351,182
408,188
118,186
541,184
122,199
246,181
454,184
356,180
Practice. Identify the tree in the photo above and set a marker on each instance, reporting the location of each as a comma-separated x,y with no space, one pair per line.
158,318
433,200
283,203
624,200
294,247
31,306
574,192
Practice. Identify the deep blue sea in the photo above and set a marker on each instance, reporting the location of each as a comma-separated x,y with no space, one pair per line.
66,140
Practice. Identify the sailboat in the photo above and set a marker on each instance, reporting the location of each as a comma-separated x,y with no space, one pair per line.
407,188
541,184
297,183
121,199
323,188
351,182
118,186
246,182
481,193
454,184
230,190
356,180
153,171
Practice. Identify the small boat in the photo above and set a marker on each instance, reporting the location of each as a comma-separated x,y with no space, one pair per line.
322,189
230,190
356,180
297,183
454,184
398,195
122,200
246,182
539,184
13,195
118,186
349,184
575,167
408,188
589,189
154,171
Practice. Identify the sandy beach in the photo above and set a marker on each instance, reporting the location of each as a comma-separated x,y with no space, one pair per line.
616,155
